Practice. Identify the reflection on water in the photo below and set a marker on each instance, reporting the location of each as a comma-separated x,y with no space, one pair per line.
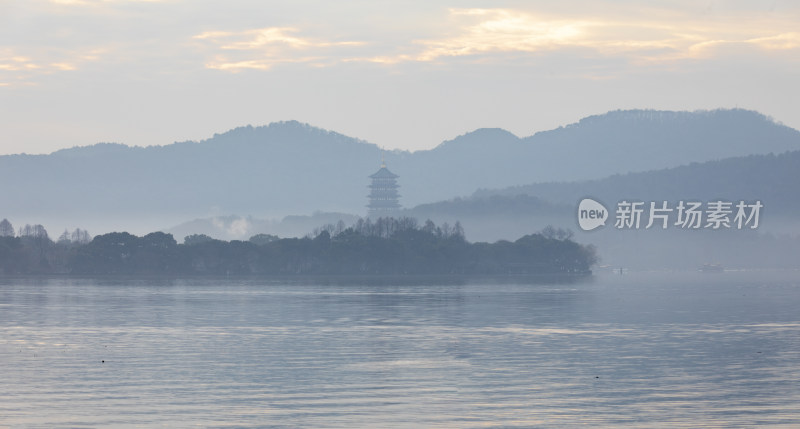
643,350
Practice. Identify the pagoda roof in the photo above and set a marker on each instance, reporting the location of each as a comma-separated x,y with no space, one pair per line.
384,173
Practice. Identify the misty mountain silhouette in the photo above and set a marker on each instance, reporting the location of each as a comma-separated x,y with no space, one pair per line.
769,178
290,167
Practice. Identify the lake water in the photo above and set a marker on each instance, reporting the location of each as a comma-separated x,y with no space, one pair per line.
636,350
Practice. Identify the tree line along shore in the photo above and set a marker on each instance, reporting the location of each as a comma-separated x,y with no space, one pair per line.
385,246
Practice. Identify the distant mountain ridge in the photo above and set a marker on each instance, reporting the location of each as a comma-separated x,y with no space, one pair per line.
598,146
771,178
293,168
512,212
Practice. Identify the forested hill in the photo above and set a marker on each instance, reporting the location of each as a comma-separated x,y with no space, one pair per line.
289,168
773,179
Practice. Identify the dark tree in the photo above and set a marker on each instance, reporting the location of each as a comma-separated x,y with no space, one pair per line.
81,236
6,229
63,239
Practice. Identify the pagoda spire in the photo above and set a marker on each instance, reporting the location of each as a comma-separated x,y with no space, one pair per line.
383,196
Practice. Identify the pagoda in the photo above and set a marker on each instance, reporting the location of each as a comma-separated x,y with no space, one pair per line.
383,196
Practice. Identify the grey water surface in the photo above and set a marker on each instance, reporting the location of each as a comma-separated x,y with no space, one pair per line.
634,350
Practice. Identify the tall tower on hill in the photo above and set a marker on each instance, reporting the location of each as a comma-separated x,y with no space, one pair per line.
383,196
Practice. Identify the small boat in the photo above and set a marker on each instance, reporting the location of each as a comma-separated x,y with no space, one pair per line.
711,268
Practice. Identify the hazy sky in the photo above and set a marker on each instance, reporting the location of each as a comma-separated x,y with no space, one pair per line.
401,74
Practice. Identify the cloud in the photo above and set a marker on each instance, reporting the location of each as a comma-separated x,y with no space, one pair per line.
17,69
505,31
497,33
14,67
263,48
783,41
99,2
619,37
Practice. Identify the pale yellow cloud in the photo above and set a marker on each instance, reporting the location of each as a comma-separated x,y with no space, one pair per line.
264,64
18,63
477,34
18,70
487,32
264,37
263,48
63,66
100,2
783,41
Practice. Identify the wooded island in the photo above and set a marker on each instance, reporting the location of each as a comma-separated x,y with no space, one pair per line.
387,246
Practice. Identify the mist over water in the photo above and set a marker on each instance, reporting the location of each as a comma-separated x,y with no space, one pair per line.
637,350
